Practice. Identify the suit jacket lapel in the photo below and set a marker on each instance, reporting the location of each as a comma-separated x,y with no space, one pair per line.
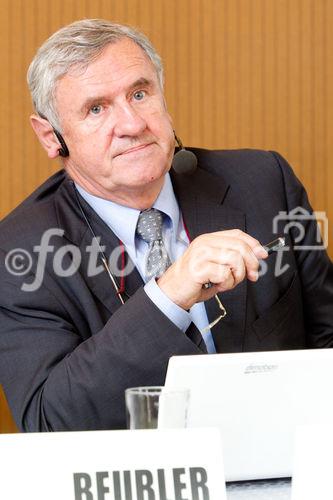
203,199
76,231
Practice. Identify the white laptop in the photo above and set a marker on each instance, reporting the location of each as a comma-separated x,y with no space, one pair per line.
257,400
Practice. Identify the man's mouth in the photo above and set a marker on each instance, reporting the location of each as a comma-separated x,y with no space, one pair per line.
134,149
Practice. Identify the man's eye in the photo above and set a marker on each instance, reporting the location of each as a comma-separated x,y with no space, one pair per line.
139,95
96,109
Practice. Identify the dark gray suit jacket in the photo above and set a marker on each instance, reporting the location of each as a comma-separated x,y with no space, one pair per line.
69,349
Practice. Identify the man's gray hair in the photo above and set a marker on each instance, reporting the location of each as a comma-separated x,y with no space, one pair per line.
77,45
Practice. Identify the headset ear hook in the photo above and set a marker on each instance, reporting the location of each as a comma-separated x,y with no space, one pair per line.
63,151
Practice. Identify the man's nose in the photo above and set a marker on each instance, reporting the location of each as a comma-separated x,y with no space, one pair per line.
128,121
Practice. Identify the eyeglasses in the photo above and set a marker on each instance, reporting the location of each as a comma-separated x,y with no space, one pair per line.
222,309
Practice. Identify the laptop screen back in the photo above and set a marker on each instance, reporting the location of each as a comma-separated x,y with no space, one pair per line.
257,400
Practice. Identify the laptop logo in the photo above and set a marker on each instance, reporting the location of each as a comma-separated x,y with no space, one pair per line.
265,368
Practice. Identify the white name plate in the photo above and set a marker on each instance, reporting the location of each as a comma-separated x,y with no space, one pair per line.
180,464
312,471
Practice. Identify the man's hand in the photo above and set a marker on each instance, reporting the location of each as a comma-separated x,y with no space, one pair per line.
223,259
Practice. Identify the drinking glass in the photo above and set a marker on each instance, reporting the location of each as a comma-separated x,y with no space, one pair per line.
156,407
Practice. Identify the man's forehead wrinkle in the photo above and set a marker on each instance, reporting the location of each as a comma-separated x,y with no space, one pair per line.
113,74
105,86
110,79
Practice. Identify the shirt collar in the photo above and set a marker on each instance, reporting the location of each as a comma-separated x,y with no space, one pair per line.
166,202
114,215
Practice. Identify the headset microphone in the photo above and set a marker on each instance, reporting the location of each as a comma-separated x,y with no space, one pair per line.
184,162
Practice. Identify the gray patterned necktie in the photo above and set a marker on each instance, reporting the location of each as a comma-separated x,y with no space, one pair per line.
149,228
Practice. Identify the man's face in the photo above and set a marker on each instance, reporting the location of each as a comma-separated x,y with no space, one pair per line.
115,124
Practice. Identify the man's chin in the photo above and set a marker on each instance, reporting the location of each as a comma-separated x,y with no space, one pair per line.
146,181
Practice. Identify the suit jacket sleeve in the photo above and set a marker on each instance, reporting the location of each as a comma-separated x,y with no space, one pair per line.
55,381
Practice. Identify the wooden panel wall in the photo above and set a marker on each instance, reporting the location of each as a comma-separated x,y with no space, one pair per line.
239,73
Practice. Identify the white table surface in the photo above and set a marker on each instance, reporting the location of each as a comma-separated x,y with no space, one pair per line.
274,489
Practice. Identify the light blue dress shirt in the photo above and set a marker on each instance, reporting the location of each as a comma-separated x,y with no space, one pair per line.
176,242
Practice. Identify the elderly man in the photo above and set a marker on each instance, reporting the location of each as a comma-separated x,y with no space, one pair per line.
124,264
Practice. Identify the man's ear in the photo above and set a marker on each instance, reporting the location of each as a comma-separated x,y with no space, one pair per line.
45,134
